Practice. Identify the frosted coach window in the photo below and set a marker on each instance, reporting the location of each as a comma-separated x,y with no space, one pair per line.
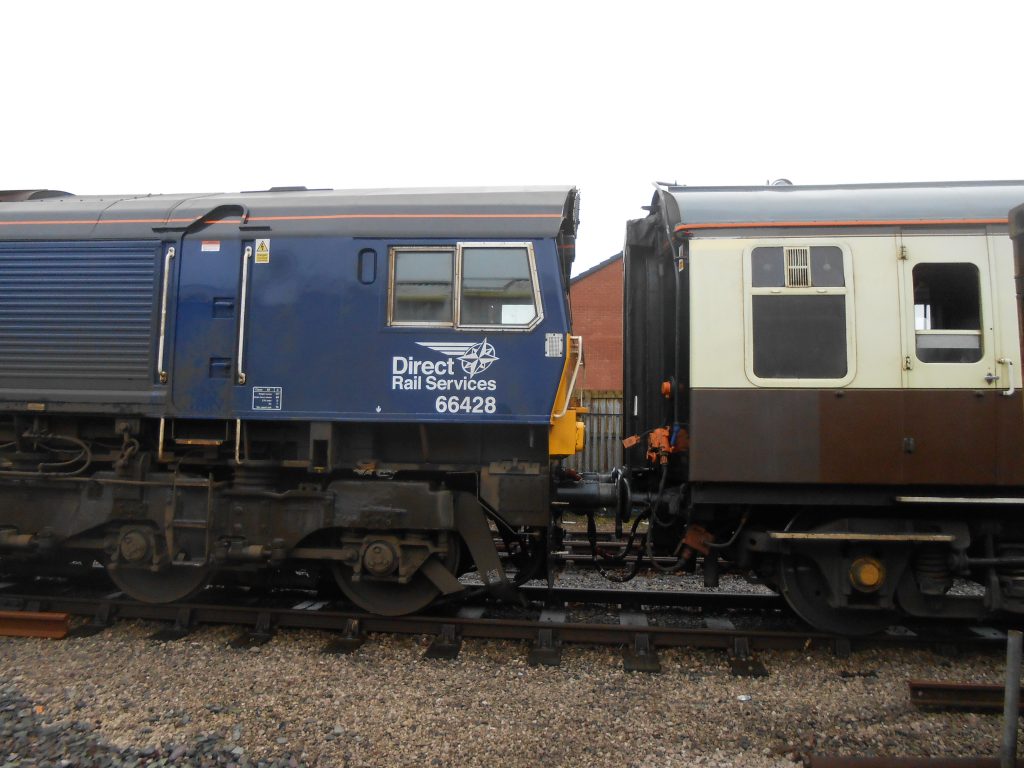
947,313
497,286
798,309
421,286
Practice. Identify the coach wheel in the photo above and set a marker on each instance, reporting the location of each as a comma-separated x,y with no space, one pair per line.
807,591
172,583
390,598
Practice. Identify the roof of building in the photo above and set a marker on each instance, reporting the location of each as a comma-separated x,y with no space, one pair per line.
597,267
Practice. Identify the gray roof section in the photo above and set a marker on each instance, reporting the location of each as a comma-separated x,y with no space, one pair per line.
500,212
1017,221
929,202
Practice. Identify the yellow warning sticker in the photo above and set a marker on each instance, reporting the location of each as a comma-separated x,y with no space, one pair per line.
263,251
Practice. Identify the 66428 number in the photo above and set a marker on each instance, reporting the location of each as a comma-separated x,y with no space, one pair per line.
467,404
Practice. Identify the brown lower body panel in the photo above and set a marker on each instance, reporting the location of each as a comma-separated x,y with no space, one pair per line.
886,437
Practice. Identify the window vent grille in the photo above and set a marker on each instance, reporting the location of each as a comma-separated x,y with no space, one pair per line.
798,267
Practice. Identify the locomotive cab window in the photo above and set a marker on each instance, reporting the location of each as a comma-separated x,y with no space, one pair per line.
421,286
947,313
470,286
799,314
497,286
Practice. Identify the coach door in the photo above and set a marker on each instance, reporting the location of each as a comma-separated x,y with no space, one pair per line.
948,313
206,330
950,370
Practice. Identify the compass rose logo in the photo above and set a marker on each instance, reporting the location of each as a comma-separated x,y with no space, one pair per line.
478,358
474,358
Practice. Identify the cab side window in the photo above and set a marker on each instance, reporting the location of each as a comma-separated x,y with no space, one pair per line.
496,287
421,289
470,286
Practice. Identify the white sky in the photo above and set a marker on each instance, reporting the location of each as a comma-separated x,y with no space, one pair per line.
204,96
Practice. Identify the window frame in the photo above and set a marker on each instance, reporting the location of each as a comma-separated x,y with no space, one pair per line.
460,249
392,258
457,251
978,333
847,290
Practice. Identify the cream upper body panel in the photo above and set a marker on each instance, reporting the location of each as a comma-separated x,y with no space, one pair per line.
880,311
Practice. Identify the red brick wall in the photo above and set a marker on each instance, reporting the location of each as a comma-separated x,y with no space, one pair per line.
597,317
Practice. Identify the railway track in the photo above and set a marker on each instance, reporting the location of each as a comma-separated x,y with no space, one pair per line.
641,622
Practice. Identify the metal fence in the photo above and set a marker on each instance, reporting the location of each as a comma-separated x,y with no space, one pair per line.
603,448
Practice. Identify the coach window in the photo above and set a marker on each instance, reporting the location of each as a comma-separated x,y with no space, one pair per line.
799,313
947,313
421,286
498,286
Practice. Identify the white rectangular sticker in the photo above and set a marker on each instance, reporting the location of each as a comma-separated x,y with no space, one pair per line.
263,251
266,398
211,245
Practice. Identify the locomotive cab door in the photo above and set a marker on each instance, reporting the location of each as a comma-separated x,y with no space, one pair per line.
206,328
950,369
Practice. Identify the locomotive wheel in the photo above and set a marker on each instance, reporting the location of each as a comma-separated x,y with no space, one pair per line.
806,590
389,598
168,585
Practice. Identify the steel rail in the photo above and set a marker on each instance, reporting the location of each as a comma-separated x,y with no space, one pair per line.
826,761
468,626
304,610
655,597
34,624
976,697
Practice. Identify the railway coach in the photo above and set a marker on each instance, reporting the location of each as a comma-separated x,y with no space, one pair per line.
824,383
258,384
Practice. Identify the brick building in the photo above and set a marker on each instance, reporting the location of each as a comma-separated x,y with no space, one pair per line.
596,297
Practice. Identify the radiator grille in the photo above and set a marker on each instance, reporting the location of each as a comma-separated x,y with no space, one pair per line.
77,313
798,267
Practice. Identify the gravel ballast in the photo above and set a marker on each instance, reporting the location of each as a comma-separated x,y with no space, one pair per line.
119,698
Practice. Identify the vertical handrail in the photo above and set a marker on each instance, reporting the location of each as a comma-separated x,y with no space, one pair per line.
160,371
241,319
577,342
160,447
238,441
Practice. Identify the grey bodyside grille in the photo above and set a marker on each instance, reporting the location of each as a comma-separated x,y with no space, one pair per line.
77,314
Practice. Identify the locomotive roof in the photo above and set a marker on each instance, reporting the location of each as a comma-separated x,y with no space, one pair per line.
926,203
500,212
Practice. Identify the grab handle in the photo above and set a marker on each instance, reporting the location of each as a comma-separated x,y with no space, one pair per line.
241,318
575,343
1009,375
160,371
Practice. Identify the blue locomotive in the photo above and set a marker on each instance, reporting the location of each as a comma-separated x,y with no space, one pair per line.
194,386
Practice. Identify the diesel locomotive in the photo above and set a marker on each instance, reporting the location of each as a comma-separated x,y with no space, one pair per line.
823,388
263,385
